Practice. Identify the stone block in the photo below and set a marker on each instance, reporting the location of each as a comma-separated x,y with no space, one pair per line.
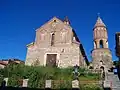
106,84
6,80
25,82
75,84
48,84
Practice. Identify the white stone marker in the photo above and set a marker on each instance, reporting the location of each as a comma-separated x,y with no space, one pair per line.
48,84
25,82
106,84
6,80
75,84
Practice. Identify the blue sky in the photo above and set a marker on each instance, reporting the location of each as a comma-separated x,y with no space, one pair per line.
20,18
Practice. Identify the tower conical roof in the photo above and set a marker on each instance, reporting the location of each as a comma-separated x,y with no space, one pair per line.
99,22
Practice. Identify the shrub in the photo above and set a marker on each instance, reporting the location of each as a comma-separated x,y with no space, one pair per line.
41,83
90,87
38,74
61,84
33,80
1,79
66,84
14,82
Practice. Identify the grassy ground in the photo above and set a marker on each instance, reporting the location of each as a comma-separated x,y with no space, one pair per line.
38,75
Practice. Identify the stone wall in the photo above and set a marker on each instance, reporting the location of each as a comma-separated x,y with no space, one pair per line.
65,45
102,57
68,55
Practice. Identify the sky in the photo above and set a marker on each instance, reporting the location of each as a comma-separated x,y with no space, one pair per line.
20,18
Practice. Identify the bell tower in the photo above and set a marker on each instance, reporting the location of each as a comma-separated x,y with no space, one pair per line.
101,54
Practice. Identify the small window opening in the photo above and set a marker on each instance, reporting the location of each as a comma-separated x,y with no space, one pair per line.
54,20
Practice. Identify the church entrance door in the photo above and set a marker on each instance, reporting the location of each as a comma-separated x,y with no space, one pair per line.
51,60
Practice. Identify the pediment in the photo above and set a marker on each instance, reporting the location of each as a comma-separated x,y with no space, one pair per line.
54,24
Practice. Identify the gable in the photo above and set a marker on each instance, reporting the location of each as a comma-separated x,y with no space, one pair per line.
61,30
52,24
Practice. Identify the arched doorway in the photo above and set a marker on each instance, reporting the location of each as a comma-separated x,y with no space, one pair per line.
102,68
102,72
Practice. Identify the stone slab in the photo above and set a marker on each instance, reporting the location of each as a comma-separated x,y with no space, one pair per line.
25,82
75,84
48,84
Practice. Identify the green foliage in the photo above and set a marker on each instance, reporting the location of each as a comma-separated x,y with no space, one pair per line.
91,87
1,77
37,75
94,76
34,77
59,84
13,81
66,84
116,63
41,84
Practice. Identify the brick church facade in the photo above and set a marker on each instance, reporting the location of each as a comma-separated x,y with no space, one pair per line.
56,44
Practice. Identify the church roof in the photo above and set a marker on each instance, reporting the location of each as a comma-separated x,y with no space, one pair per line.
99,22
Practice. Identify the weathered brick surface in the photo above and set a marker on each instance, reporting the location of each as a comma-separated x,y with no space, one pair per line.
65,45
101,54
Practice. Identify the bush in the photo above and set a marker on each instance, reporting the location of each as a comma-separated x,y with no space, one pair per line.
91,87
66,84
34,79
61,84
1,79
14,82
41,84
37,75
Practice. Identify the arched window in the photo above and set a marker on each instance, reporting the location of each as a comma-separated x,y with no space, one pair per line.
101,43
101,62
52,39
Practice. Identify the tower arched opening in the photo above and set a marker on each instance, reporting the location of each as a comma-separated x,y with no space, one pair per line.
101,44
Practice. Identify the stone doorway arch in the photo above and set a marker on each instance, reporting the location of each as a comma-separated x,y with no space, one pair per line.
102,68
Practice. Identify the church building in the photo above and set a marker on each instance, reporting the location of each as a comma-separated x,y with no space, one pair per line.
56,44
